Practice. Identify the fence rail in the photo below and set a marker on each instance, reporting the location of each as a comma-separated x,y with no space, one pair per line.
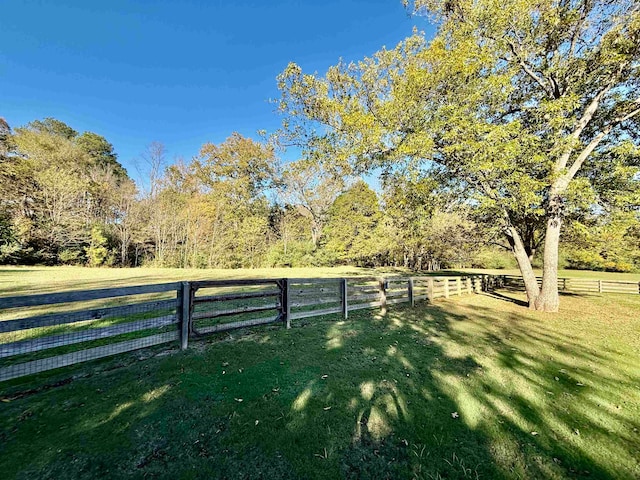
92,324
39,342
130,318
579,285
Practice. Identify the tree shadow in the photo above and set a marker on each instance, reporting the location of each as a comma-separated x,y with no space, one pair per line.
511,299
511,400
471,387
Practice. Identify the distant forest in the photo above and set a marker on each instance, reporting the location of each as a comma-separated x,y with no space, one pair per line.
66,199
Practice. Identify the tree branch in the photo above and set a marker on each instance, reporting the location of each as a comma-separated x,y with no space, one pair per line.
585,119
597,139
576,31
548,90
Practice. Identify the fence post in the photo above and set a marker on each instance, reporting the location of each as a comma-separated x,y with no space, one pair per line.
183,311
599,286
344,295
410,292
469,288
430,290
286,301
383,296
446,287
459,286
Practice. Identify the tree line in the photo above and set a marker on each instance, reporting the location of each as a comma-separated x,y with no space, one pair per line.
66,199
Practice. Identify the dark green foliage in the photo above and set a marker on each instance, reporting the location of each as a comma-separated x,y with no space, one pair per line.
102,153
53,127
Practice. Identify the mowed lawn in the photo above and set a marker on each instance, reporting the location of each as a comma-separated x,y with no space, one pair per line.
469,387
31,280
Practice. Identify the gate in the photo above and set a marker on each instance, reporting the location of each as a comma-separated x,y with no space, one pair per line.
221,305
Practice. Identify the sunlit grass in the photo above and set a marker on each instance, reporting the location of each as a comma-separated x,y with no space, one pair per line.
32,280
471,387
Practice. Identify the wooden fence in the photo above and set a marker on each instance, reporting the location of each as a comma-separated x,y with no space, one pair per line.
578,285
92,324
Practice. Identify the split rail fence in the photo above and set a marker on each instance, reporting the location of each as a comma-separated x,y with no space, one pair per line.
48,331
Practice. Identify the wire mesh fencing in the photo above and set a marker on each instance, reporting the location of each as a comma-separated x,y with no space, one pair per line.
79,326
44,332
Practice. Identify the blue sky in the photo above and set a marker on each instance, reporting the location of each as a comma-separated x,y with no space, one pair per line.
182,73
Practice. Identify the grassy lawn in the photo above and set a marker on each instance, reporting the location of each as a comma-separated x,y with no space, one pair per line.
31,280
471,387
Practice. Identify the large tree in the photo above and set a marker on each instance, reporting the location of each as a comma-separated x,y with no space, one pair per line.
517,100
354,229
55,187
310,186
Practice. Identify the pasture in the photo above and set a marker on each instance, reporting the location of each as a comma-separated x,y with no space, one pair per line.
469,387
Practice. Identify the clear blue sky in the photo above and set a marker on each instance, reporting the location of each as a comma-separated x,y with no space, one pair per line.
182,73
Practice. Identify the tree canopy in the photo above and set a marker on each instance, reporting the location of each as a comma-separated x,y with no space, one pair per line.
522,102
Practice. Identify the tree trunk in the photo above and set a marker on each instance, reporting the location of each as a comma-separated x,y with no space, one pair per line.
548,300
316,232
522,257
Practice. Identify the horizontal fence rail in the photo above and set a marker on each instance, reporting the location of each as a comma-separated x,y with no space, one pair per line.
129,318
48,331
578,285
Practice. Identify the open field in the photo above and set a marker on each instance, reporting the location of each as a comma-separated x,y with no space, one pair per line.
32,280
471,387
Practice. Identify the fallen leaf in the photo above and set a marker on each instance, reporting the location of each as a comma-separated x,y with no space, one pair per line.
238,399
326,408
324,376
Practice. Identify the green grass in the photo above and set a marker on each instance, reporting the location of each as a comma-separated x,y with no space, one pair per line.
32,280
471,387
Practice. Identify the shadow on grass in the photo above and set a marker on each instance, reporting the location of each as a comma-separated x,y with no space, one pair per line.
502,296
445,391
